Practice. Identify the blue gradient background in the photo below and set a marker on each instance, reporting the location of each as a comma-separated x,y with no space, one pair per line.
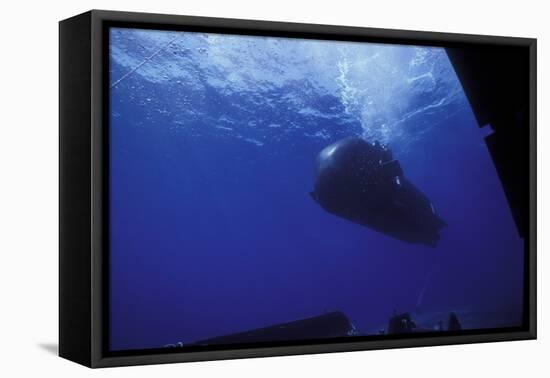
212,231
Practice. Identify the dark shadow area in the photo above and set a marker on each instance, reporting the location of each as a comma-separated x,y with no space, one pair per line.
51,348
498,83
496,80
332,324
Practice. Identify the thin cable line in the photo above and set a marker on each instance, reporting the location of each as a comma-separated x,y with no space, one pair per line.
429,278
142,63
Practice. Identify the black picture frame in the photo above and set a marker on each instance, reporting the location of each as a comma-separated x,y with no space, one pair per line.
83,197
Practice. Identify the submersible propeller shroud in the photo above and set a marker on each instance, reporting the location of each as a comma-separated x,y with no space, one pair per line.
361,182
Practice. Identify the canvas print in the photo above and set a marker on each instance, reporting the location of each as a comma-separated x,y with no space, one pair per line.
276,190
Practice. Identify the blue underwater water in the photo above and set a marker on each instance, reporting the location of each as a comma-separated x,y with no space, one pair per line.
213,141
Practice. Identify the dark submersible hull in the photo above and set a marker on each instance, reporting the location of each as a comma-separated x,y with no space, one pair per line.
361,182
329,325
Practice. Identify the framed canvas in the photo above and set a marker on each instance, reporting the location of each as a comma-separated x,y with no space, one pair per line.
236,188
